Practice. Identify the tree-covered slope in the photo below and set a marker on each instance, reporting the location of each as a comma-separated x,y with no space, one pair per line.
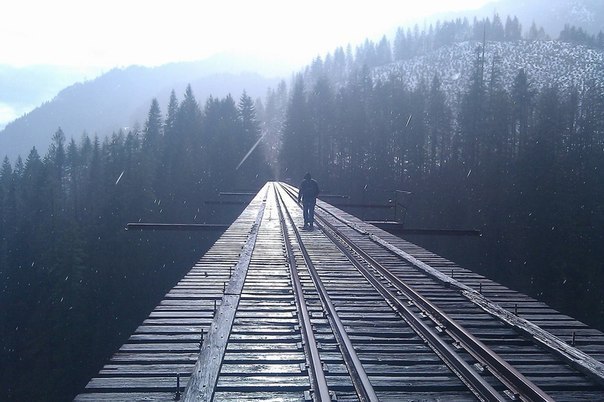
547,63
118,99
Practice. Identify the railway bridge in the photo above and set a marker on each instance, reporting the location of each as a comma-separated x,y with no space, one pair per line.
344,312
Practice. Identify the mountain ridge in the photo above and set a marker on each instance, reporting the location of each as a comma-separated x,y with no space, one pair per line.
119,99
121,96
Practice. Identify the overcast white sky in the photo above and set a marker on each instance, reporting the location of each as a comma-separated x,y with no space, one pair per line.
110,33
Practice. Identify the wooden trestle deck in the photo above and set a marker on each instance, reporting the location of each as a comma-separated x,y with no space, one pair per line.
236,327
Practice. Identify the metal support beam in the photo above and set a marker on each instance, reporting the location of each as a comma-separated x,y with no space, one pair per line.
177,226
225,202
235,193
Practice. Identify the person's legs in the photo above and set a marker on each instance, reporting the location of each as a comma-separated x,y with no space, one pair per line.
306,211
311,213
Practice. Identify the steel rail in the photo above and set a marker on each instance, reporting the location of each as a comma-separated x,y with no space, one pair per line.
475,383
315,368
359,377
574,357
500,368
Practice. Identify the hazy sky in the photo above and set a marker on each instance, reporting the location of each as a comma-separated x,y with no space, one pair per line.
87,37
109,33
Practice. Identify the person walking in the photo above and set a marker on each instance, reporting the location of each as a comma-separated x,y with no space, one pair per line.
307,193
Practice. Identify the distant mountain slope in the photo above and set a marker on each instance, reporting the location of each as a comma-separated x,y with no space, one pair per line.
118,99
545,62
24,88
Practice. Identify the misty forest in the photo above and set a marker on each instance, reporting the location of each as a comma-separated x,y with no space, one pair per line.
521,163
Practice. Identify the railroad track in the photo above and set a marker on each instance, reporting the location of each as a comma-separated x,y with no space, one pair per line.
349,312
359,245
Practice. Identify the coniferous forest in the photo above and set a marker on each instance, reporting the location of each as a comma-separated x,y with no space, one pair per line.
75,284
522,164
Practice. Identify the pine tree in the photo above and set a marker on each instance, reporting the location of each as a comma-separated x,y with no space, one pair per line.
535,33
315,70
521,111
170,123
186,153
383,52
151,152
401,51
224,135
252,163
296,156
272,124
7,211
416,135
497,32
351,130
513,29
321,114
73,179
152,132
339,69
439,125
56,157
496,149
481,28
471,116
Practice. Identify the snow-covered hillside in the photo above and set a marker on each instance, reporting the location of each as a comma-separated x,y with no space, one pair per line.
546,63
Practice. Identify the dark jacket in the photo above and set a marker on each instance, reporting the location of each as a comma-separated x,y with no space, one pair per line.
308,191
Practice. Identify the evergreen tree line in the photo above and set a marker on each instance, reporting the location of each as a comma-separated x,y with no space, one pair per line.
522,165
74,283
412,42
577,35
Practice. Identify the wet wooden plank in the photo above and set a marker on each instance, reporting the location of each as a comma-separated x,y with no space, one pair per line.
136,383
261,369
126,370
264,383
275,395
205,373
126,397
